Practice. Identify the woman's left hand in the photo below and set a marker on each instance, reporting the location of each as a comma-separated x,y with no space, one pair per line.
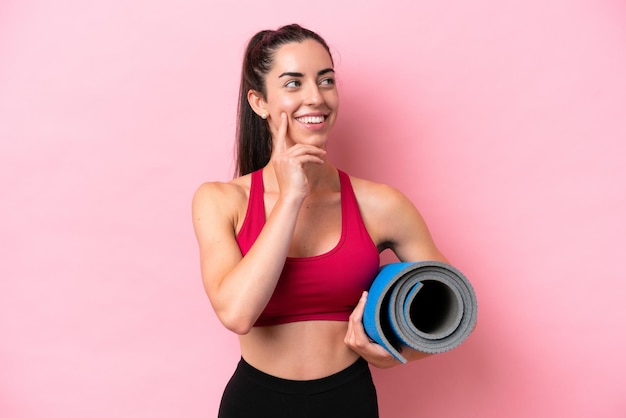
358,341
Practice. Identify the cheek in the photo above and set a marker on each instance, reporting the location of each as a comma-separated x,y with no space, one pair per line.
284,104
332,99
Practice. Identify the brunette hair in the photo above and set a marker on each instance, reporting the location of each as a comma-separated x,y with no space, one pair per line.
254,140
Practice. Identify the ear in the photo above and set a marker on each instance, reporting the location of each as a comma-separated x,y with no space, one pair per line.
257,103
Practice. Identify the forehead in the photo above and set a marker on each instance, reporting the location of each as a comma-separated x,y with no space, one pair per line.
303,57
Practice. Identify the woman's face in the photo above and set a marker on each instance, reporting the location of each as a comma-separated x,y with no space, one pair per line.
301,83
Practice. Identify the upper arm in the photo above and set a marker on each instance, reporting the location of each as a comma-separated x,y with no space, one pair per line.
395,223
214,212
410,237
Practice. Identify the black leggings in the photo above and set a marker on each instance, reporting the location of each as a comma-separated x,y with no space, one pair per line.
253,393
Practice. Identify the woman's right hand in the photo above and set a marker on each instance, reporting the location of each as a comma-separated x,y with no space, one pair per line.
290,161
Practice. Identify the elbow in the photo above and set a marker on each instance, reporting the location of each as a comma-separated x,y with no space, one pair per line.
238,328
233,317
236,323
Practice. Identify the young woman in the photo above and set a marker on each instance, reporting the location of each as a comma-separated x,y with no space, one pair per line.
289,248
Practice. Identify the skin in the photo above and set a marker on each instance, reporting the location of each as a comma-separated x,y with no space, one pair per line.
303,218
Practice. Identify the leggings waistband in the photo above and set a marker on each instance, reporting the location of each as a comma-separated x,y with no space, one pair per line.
304,387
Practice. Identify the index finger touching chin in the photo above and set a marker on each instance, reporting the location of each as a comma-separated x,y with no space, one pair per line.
282,131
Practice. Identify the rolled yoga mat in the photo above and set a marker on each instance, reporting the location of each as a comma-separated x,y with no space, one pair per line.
429,306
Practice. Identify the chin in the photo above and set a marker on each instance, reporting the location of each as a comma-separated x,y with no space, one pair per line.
318,140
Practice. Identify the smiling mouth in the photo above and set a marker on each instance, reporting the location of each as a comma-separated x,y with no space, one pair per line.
311,120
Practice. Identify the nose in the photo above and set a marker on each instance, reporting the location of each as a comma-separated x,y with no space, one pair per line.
314,95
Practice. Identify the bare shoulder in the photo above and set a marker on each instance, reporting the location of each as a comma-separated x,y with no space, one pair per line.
383,209
223,192
378,198
394,222
221,200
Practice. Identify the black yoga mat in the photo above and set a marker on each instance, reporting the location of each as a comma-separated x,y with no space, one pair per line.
429,306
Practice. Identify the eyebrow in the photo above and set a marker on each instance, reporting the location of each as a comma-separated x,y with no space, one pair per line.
294,74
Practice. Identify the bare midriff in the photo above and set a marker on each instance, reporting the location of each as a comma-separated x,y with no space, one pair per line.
298,350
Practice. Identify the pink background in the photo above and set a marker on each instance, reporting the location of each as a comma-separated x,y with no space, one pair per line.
504,122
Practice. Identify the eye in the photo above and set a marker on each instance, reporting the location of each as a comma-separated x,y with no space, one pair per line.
292,84
327,82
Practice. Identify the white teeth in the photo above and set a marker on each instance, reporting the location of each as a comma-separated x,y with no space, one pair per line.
311,119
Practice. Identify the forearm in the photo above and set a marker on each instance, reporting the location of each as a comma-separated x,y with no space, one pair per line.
246,289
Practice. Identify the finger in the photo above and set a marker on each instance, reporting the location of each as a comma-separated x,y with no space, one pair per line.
304,149
356,317
355,333
360,308
306,154
281,137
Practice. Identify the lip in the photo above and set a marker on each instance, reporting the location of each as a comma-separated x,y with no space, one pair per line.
312,126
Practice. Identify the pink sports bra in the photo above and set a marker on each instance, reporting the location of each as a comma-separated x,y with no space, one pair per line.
322,287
